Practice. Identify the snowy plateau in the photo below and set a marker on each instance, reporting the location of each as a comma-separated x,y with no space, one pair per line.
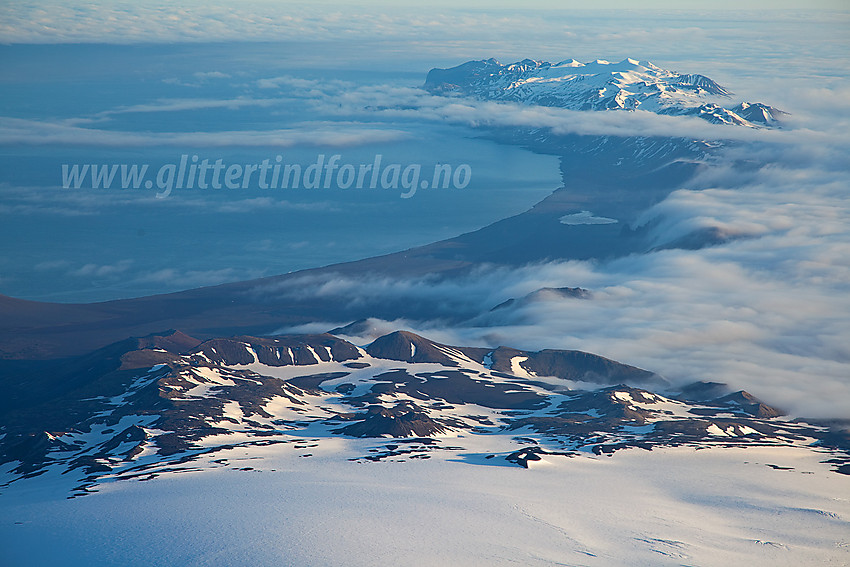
408,450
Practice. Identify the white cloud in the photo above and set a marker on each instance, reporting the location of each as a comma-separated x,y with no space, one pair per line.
266,204
92,270
178,105
767,313
204,75
187,279
16,131
58,21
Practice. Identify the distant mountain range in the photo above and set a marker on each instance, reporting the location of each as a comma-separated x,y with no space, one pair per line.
169,403
600,85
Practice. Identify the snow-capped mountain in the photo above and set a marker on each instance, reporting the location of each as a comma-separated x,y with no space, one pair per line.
600,85
171,403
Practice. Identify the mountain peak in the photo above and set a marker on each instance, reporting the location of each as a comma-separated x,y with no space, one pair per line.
568,63
410,347
599,85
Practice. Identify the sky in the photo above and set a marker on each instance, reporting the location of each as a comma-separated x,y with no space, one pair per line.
148,82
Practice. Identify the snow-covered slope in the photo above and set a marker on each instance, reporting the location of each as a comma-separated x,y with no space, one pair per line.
600,85
166,405
310,450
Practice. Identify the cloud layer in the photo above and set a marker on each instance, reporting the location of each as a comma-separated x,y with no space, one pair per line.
765,311
18,132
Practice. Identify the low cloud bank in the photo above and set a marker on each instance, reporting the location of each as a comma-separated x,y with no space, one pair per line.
765,311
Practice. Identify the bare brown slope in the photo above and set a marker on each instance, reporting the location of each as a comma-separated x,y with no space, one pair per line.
33,330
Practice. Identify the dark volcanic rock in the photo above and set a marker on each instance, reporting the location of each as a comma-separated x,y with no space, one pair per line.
716,394
702,391
568,364
544,294
461,77
401,421
27,383
458,387
313,381
283,350
529,454
748,403
522,456
572,365
30,450
452,387
410,347
173,402
588,412
172,341
358,328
